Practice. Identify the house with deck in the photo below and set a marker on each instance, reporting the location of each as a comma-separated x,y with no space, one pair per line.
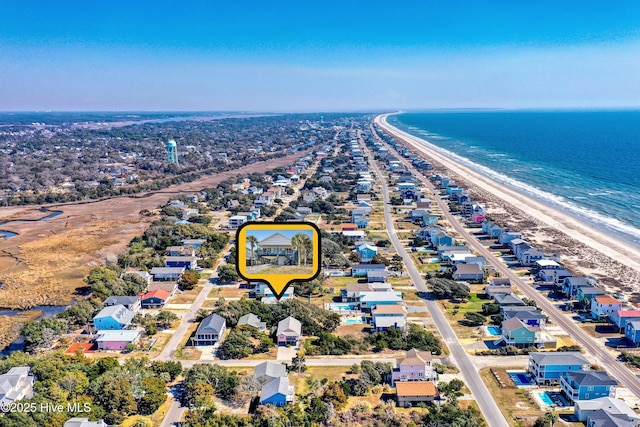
361,270
621,317
188,262
589,293
368,300
468,272
155,299
117,340
377,276
516,333
498,286
547,368
131,302
114,317
632,332
277,249
616,407
587,385
603,306
84,422
412,393
415,366
289,332
530,316
509,300
211,330
366,252
572,284
384,317
278,392
167,274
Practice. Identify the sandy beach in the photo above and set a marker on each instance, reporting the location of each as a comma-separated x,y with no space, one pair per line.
583,249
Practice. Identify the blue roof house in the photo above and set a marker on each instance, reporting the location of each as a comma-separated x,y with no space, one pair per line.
587,385
277,392
588,292
442,239
547,368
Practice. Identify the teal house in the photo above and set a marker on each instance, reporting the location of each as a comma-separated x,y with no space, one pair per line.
114,317
587,385
517,334
366,252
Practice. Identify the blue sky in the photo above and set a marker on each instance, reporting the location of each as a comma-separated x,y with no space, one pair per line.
318,56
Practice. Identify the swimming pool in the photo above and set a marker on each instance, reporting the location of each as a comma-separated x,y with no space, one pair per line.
353,321
494,330
342,306
521,378
545,398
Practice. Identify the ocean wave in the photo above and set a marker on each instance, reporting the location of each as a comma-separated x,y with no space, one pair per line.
613,225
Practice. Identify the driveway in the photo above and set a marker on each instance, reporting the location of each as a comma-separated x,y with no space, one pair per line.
285,354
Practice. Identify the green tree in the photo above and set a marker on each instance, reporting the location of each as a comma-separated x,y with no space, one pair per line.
188,280
227,273
155,394
253,243
474,318
303,245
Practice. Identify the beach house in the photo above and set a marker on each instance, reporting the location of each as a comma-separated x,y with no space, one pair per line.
267,371
210,330
84,422
572,284
253,321
16,384
277,392
509,300
289,332
188,262
530,316
516,333
616,407
415,366
632,332
413,393
366,252
117,340
587,385
156,298
588,293
361,270
384,317
368,300
498,286
547,368
114,317
603,306
167,274
468,272
277,249
621,317
131,302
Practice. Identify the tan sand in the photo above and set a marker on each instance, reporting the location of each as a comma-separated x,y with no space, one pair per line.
583,248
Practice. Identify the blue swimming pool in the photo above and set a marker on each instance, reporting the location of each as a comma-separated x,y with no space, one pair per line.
494,330
545,398
353,321
521,378
337,307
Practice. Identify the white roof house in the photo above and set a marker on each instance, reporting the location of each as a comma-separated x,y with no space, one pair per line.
16,384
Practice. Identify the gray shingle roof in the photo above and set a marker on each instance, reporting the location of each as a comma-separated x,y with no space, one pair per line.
559,358
269,370
251,320
276,239
289,327
592,378
212,324
275,386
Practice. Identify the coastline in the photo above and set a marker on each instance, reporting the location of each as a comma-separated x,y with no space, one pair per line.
580,246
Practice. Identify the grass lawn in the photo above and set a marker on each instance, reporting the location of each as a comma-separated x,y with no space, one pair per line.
400,281
410,296
229,291
331,373
513,402
186,297
188,352
340,282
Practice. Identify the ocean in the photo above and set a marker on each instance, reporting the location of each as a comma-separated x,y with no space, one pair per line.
586,163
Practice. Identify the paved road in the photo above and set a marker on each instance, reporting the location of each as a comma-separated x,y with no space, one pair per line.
603,356
175,411
334,361
459,356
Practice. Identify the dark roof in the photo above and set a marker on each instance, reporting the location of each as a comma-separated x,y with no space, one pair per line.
368,267
602,418
589,378
559,358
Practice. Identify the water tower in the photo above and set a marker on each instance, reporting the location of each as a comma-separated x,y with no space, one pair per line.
172,152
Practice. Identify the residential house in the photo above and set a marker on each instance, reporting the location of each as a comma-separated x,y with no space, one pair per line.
277,392
491,229
384,317
84,422
268,297
155,299
289,332
179,251
351,293
506,300
211,330
547,368
377,276
349,227
369,300
469,272
353,234
507,236
360,270
416,366
555,276
587,385
267,371
171,288
117,340
530,316
529,256
602,418
236,221
603,306
193,243
188,262
516,333
498,286
264,200
131,302
572,284
585,408
442,239
113,318
16,384
366,252
547,264
621,317
167,274
411,393
253,321
277,249
588,293
632,332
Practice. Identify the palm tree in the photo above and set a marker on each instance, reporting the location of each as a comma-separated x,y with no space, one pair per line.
253,242
296,242
303,244
552,417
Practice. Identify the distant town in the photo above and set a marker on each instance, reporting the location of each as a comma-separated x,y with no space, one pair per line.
431,309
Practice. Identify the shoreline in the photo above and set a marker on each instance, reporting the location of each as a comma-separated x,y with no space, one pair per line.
581,246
